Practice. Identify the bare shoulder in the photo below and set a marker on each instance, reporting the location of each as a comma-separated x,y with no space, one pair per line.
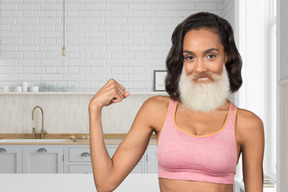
157,102
155,109
248,126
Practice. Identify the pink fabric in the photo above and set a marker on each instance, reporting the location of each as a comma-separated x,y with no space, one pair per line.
211,158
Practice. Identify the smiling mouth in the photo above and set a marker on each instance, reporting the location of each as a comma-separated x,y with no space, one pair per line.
203,79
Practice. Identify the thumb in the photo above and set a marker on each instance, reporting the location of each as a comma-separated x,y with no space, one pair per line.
126,94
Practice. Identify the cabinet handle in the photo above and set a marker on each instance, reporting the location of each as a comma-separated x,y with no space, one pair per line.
2,150
85,154
42,150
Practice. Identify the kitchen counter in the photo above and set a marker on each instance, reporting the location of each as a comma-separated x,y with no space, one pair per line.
73,183
68,142
62,139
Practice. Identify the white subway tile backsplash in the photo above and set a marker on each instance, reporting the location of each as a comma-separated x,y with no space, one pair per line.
104,39
84,85
52,77
29,77
50,70
28,69
84,70
17,55
39,70
117,77
116,70
18,70
139,77
73,70
5,70
95,77
103,70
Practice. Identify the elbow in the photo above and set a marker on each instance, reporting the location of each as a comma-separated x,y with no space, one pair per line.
105,187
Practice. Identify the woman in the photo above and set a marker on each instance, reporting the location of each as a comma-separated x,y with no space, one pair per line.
200,133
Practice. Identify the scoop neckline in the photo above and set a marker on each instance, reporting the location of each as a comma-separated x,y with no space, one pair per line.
207,135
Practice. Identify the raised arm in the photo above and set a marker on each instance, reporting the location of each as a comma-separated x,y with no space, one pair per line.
109,173
251,135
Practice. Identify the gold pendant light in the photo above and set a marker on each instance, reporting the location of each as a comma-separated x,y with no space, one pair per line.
63,51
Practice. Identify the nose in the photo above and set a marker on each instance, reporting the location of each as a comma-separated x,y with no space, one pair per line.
200,66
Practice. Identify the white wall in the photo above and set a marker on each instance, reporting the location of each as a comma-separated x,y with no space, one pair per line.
125,40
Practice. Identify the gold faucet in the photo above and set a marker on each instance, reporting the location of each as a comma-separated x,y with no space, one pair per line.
43,132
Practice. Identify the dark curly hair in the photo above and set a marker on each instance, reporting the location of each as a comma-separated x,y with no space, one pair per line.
174,60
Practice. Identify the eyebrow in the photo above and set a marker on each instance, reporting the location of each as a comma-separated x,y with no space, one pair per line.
205,52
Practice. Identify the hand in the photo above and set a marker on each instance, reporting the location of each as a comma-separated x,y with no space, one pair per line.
111,92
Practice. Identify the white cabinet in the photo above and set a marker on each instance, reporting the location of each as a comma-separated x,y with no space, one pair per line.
62,159
43,159
79,160
11,159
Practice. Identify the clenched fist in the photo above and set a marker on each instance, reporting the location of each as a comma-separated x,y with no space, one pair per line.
111,92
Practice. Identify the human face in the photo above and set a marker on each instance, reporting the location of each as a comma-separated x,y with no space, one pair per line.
203,55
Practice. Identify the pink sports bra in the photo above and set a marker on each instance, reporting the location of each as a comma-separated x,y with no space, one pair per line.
209,158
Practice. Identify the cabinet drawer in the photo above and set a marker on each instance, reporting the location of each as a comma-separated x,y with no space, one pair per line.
79,154
80,168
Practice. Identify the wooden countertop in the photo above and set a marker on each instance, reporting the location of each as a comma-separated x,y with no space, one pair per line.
80,139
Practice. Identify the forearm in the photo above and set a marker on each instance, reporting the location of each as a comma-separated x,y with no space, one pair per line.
101,161
103,167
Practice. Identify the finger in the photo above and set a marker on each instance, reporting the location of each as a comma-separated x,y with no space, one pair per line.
121,86
116,93
120,92
126,94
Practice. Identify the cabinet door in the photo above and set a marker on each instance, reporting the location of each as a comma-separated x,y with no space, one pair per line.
43,159
79,160
152,162
80,168
79,154
10,158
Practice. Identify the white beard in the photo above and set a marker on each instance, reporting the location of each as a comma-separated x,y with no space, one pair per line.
204,96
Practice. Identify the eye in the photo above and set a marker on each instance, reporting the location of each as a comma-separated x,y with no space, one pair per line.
189,58
211,56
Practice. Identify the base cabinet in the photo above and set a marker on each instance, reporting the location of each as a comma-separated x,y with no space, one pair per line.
79,159
77,168
62,159
43,159
11,159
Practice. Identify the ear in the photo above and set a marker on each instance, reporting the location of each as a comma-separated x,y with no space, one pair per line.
227,58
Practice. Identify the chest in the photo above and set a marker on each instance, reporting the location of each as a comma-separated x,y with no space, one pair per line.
200,123
203,154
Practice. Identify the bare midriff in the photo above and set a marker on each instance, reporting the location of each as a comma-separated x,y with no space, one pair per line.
168,185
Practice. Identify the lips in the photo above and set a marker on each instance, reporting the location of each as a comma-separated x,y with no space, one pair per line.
203,78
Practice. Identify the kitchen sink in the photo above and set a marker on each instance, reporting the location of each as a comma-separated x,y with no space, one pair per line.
35,140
